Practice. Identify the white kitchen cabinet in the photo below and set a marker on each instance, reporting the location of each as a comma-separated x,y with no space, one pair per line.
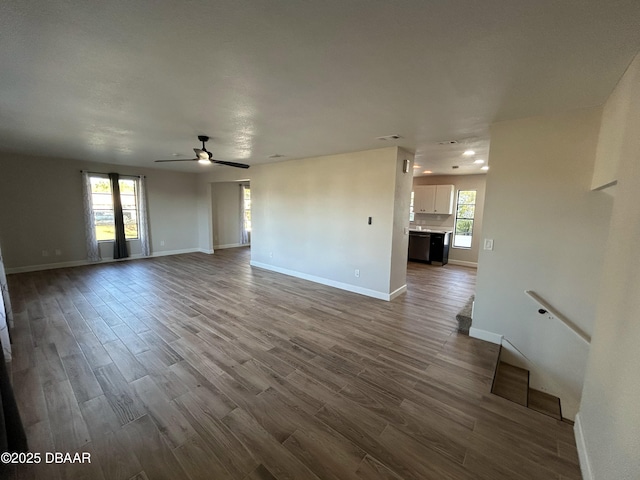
432,199
443,203
424,198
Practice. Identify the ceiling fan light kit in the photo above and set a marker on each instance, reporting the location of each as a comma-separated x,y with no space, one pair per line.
205,157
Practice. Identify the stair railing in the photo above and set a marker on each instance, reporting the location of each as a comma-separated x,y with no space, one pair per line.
547,308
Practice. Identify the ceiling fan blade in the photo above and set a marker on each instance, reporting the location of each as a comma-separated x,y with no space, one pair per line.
179,160
230,164
203,155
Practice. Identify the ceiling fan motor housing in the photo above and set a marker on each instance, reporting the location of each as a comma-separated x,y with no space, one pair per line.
203,154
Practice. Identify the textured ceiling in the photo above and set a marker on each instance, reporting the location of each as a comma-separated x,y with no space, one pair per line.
130,82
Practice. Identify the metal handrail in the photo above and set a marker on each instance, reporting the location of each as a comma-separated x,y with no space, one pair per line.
547,308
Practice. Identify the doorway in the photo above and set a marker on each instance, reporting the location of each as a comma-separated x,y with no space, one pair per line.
230,214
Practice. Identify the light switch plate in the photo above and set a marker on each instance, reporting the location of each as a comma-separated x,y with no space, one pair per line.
488,243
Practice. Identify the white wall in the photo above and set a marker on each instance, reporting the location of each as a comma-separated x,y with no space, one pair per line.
617,117
463,256
41,209
609,415
549,230
310,218
225,208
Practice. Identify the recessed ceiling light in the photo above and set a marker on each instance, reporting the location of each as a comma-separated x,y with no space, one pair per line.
469,153
417,166
485,168
479,161
427,171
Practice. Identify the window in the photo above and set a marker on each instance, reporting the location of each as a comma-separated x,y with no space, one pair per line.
102,203
412,214
465,213
247,208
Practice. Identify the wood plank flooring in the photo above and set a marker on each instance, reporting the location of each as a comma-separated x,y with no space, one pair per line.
200,367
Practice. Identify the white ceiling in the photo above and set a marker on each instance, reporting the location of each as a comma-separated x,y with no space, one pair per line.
132,81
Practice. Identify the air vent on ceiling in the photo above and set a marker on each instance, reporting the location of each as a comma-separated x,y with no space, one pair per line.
390,137
448,142
455,166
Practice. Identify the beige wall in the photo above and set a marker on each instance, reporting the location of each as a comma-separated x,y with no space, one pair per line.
309,218
400,238
548,230
41,209
609,419
463,256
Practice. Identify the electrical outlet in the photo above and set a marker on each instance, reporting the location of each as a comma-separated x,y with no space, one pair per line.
488,243
270,254
162,243
58,252
45,253
357,273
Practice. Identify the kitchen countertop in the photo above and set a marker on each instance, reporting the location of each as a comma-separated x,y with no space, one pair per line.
428,230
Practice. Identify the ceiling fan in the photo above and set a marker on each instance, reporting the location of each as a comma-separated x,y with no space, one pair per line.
205,156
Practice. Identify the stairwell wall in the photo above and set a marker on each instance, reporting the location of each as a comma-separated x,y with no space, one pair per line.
609,418
548,230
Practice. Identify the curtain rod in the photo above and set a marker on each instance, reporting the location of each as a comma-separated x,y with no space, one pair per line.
102,173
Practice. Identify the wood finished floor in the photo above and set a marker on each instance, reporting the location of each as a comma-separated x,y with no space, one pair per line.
200,367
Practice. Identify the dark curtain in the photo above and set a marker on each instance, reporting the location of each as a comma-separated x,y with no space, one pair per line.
12,436
120,246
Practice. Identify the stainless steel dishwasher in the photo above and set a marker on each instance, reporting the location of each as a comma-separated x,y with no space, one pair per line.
419,243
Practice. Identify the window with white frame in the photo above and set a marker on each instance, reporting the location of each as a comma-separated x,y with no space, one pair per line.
412,214
465,215
102,204
247,208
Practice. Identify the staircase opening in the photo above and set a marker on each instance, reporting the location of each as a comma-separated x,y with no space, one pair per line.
512,383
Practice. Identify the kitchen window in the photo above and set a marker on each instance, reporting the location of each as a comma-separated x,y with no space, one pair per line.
465,214
411,212
102,204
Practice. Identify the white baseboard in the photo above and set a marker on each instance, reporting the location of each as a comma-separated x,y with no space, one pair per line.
486,336
164,253
462,263
331,283
80,263
47,266
231,245
398,292
585,464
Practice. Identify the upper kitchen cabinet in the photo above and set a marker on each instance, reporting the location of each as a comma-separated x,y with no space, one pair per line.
443,202
436,199
424,197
